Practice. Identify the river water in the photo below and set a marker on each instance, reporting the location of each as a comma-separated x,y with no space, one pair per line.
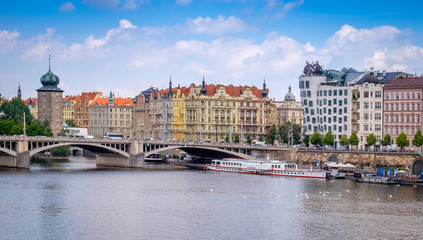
96,203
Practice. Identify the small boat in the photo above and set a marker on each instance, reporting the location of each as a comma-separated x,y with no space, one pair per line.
279,168
154,158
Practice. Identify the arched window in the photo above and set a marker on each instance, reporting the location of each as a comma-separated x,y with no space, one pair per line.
402,95
408,96
397,96
387,97
392,96
413,96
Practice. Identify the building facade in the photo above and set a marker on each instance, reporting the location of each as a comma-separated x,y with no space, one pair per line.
111,115
367,106
141,115
49,98
82,114
402,103
289,110
69,103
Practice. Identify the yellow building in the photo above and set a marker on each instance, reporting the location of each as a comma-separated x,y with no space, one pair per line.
178,110
289,110
69,103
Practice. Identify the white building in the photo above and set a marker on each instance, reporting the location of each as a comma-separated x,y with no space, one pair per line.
367,105
326,100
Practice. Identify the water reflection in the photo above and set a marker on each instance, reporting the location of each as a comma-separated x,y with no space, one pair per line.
93,203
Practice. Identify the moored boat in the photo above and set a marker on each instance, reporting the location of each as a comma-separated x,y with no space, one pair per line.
278,168
154,158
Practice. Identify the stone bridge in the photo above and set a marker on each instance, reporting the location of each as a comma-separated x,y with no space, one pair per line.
17,151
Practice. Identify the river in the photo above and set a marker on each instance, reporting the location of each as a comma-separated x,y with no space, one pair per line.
87,202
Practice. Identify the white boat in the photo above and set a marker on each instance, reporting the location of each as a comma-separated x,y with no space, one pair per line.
154,158
262,167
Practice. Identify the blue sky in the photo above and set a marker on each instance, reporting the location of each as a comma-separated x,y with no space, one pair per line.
130,45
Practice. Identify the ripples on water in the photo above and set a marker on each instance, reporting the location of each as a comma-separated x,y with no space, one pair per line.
93,203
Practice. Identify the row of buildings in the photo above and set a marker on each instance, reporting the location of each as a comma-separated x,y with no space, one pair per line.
204,112
363,102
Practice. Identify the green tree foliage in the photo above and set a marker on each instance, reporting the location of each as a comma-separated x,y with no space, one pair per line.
260,139
402,141
14,110
63,132
371,140
353,140
62,151
386,140
249,139
418,139
235,138
16,130
35,129
343,140
285,132
316,139
227,138
306,140
6,126
328,139
271,135
70,123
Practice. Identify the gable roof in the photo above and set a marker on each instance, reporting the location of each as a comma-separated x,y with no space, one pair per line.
412,82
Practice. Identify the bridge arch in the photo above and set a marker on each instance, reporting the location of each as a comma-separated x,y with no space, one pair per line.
417,166
333,158
88,146
8,151
219,152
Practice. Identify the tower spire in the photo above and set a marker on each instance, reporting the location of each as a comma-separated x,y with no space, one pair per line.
264,92
203,86
111,97
49,69
19,91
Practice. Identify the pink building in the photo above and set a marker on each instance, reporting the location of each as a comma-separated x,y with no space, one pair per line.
403,107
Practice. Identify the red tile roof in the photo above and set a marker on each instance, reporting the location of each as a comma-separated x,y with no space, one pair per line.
405,83
118,102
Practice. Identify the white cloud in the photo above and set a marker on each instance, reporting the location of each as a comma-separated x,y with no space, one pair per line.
140,57
67,7
8,40
210,26
278,9
183,2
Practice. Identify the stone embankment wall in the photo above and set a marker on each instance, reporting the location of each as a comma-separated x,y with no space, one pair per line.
360,159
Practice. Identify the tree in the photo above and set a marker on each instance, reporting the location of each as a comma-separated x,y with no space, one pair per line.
328,139
402,141
70,123
235,138
6,126
249,139
63,132
16,130
260,139
316,139
271,135
386,140
35,129
306,140
371,140
285,132
47,129
418,139
343,140
354,139
227,138
62,151
14,110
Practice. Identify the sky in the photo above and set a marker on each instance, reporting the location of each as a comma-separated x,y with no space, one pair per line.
127,46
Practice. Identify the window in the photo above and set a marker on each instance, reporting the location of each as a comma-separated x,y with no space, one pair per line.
408,95
378,116
397,95
330,92
310,103
325,93
392,96
366,105
340,92
334,101
301,84
334,92
345,101
324,101
312,111
307,84
413,96
366,94
345,92
345,109
386,97
378,94
378,127
378,105
402,96
418,95
308,93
